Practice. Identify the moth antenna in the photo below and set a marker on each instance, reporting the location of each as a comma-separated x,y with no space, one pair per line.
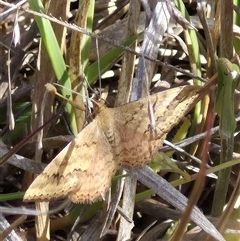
64,87
51,88
87,100
88,86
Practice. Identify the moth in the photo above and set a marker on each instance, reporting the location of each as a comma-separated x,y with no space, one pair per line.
117,137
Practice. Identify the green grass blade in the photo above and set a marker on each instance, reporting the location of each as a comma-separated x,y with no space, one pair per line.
55,55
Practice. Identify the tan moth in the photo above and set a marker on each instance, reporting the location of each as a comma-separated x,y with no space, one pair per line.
117,137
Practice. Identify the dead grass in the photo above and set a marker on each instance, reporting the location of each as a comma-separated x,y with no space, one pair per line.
183,50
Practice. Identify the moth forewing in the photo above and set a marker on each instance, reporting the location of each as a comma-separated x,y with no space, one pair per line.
82,171
133,122
167,106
